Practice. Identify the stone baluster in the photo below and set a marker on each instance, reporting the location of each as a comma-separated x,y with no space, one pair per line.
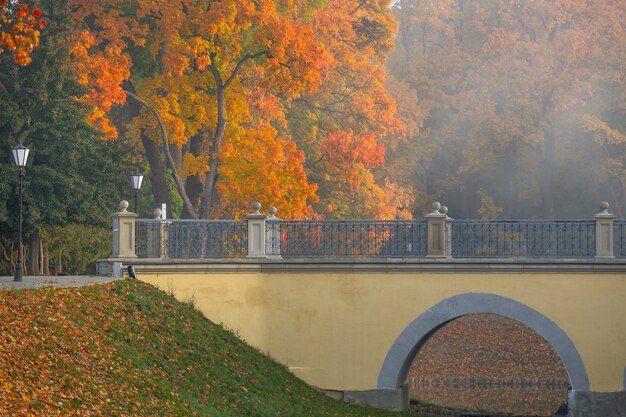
437,235
157,236
273,232
604,232
448,236
256,232
123,232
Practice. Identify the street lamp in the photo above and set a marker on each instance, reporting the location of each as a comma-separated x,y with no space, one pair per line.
20,155
136,179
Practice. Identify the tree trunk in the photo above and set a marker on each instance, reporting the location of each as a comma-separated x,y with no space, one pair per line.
157,171
547,169
220,90
34,252
46,261
510,190
60,262
211,176
193,183
166,148
471,201
177,154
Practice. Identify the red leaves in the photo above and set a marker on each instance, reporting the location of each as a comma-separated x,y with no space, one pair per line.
345,148
19,32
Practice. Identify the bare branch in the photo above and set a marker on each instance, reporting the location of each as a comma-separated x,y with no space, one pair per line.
179,183
240,64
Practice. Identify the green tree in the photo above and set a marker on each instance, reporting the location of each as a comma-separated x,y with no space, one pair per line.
72,176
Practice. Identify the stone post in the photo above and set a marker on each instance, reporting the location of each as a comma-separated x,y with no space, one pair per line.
157,236
436,232
123,232
604,232
273,235
448,237
256,232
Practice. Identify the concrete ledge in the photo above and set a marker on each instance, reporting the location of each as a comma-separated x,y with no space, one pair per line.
386,265
387,399
596,404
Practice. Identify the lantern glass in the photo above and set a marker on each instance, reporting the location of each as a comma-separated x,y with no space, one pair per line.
20,155
137,180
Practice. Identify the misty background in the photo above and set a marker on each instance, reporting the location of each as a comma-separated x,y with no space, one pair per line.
514,109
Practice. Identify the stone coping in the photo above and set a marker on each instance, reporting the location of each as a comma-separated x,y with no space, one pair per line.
386,265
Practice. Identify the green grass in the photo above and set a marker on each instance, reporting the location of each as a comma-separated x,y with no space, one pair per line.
129,349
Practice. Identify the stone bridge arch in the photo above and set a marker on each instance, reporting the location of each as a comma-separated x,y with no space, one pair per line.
395,368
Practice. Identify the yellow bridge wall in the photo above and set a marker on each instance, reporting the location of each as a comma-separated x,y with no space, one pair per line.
333,330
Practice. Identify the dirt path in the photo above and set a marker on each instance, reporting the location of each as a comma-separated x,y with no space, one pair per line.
52,281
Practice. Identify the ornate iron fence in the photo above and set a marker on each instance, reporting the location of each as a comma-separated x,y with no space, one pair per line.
180,239
353,238
150,239
619,238
191,238
532,238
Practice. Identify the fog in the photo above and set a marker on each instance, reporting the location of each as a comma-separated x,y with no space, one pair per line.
520,106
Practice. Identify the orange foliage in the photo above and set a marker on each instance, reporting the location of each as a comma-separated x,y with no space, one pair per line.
493,77
259,166
268,58
343,147
102,72
20,27
343,125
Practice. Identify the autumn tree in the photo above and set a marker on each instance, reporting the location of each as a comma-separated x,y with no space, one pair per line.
345,125
497,80
222,82
20,25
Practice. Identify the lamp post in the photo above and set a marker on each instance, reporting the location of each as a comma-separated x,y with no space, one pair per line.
20,155
136,179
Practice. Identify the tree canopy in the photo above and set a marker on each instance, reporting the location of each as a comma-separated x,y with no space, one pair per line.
280,102
503,90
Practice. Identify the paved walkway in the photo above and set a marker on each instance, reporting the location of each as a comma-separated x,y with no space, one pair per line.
52,281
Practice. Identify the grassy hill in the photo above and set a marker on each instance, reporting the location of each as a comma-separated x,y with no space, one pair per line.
128,349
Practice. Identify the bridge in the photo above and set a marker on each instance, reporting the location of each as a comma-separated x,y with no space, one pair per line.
346,305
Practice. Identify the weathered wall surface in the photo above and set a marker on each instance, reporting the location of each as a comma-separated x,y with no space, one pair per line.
335,329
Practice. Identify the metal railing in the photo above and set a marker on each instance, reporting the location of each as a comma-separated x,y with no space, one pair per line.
195,239
525,238
350,238
619,238
198,239
150,238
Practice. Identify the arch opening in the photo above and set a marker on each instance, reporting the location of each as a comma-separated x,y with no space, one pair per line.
491,363
394,372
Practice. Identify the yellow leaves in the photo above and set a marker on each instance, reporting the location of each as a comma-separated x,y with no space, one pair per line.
193,165
270,54
202,62
98,119
8,41
265,167
602,132
488,209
